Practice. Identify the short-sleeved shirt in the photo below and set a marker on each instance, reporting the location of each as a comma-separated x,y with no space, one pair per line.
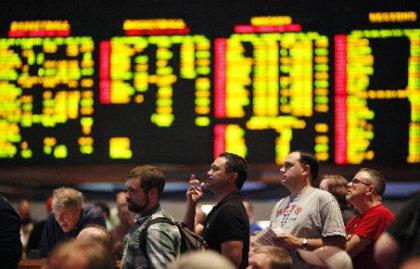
311,214
163,243
406,228
228,221
53,234
370,225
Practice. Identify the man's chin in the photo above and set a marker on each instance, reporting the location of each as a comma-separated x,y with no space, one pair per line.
135,208
66,229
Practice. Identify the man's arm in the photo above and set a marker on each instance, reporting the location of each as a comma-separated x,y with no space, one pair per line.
291,242
194,193
356,245
163,244
233,251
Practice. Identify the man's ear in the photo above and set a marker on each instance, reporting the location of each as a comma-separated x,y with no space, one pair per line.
233,176
306,169
371,190
153,194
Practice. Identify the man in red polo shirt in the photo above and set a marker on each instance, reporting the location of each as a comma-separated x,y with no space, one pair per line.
365,194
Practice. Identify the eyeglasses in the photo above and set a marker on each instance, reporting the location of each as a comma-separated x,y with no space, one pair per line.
357,181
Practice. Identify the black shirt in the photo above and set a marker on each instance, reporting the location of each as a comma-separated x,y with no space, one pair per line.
406,228
228,221
10,245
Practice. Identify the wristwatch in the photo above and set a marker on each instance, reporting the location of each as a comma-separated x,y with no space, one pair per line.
305,243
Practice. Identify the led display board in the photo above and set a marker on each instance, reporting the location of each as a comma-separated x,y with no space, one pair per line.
181,81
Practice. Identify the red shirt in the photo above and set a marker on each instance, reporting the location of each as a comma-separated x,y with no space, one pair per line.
370,225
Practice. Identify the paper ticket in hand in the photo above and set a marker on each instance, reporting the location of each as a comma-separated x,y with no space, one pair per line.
265,237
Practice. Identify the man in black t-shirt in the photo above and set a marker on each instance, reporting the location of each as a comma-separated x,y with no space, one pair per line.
226,228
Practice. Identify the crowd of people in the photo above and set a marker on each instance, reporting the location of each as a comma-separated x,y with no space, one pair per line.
331,224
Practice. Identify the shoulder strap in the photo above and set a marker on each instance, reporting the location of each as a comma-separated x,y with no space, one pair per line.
143,233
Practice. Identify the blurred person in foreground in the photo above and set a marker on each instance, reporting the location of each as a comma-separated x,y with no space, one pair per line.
69,216
145,185
98,234
226,228
365,194
201,260
10,244
309,217
402,239
269,257
411,263
80,254
338,185
326,257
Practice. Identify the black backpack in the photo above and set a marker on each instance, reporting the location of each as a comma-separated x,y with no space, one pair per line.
190,241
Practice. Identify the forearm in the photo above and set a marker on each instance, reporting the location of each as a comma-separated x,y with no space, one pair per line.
291,242
233,251
356,245
189,215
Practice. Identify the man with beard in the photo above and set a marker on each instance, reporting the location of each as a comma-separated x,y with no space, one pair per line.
145,185
226,228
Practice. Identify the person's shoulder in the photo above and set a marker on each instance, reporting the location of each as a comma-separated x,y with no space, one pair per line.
161,222
323,195
386,212
281,201
160,218
323,198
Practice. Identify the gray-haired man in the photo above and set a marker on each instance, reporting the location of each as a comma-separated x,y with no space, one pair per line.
69,216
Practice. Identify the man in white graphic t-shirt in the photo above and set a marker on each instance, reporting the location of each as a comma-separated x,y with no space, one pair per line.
308,218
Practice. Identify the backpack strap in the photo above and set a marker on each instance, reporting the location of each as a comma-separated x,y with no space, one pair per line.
143,233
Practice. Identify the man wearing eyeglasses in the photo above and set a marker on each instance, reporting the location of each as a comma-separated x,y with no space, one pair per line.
365,194
309,217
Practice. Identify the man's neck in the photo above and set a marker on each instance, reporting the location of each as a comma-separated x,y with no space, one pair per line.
219,196
368,204
149,210
301,189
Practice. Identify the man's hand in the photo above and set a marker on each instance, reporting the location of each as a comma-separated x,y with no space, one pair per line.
288,241
195,190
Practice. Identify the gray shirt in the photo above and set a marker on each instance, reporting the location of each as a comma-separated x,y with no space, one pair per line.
312,214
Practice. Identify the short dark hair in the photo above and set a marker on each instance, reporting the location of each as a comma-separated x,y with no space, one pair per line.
151,177
309,159
237,164
377,179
